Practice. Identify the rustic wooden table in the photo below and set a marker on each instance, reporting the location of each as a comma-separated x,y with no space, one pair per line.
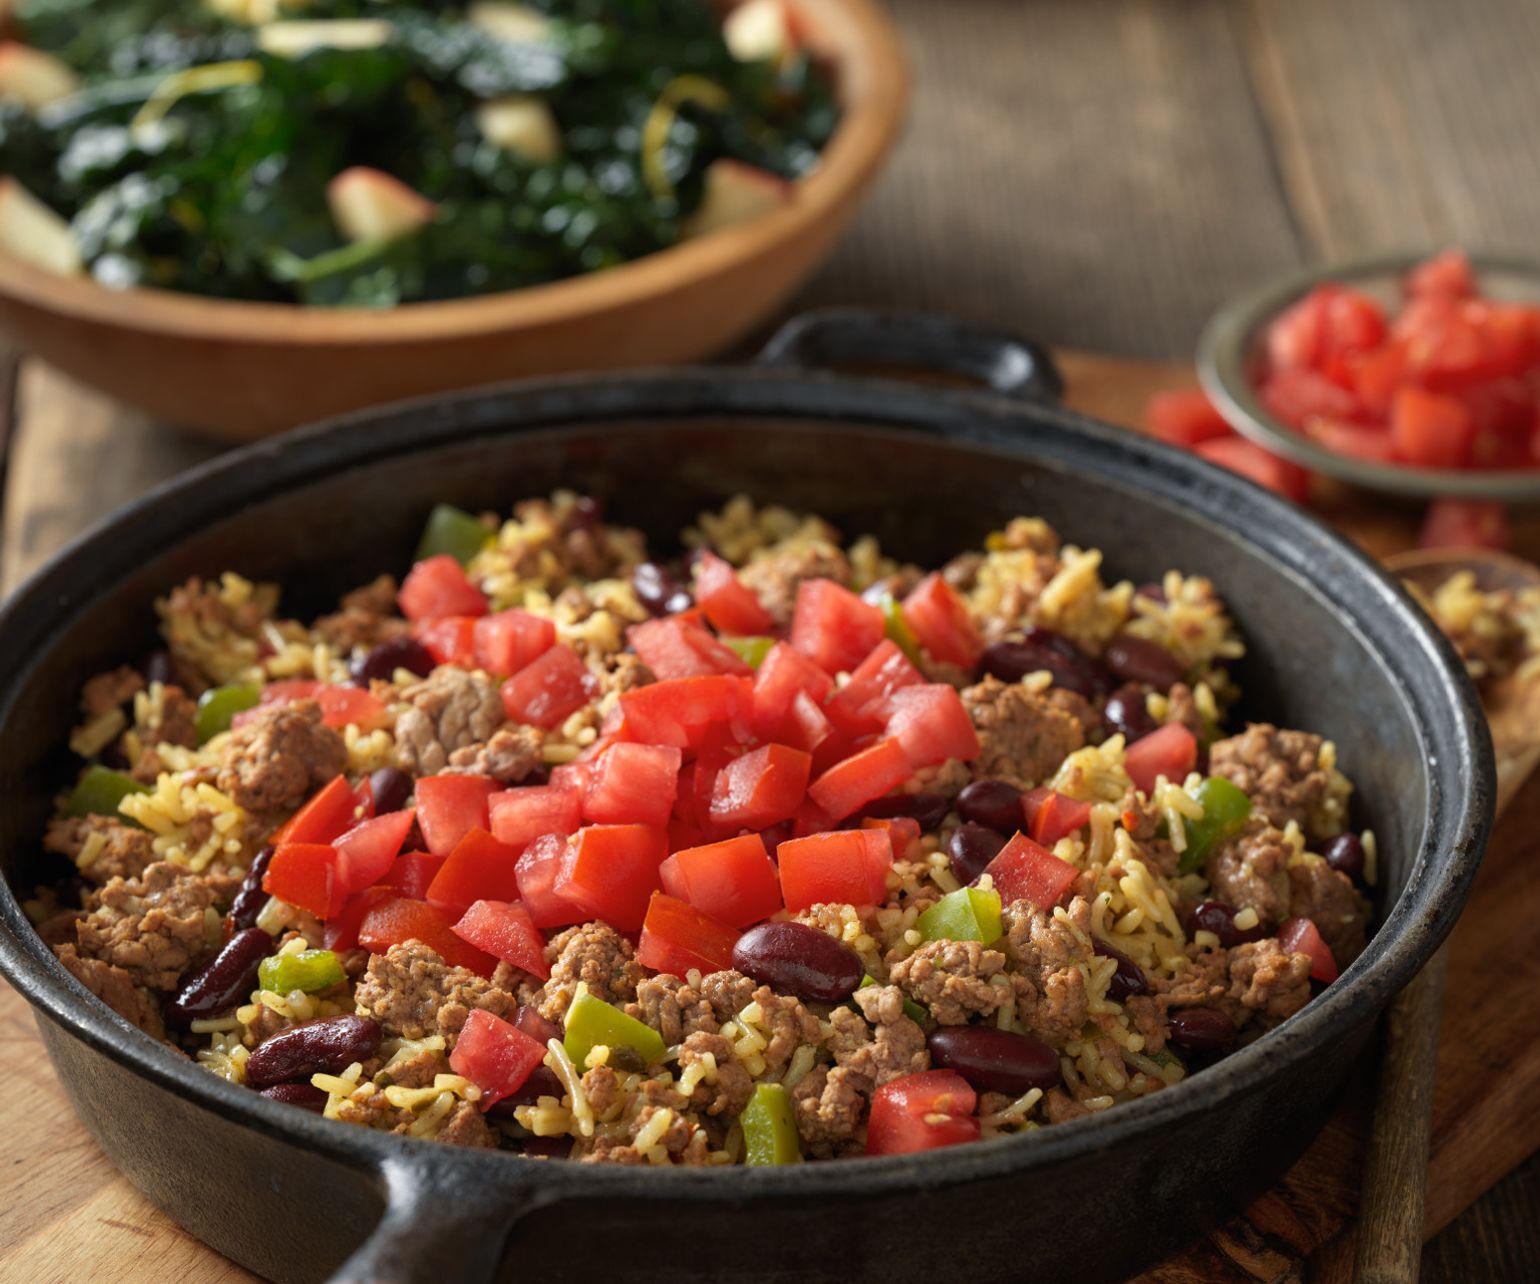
1098,173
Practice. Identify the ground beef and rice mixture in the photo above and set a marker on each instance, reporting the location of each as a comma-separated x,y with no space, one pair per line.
1171,908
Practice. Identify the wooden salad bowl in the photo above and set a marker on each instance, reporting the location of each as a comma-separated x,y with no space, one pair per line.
239,371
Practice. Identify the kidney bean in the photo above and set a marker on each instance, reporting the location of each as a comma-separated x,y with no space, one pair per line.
542,1082
1200,1030
1345,854
1128,979
995,1060
992,803
390,655
585,514
326,1044
390,787
1155,592
1140,660
224,982
539,1029
660,590
304,1095
1042,648
251,898
927,810
1219,918
158,668
1126,714
797,959
972,848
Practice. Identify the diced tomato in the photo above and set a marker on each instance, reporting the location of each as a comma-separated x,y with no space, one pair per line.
326,816
762,787
1301,936
510,640
504,930
1294,339
339,705
903,832
1056,817
305,875
859,707
727,602
1350,322
449,640
923,1111
678,648
675,711
676,937
1025,871
340,931
1376,375
698,781
633,784
783,673
846,867
833,627
612,871
449,807
519,816
495,1055
536,872
398,919
807,727
438,586
1296,396
549,689
734,881
412,874
479,868
869,774
1445,275
366,853
1258,465
1465,523
1184,418
931,725
1353,441
941,622
1431,430
1171,751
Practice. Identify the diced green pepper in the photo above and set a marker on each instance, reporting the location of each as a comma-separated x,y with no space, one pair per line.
769,1131
592,1021
1225,809
752,651
218,706
968,914
912,1010
454,531
99,791
897,628
309,970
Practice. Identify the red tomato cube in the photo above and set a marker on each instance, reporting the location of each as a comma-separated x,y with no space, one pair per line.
931,725
869,774
679,648
845,867
536,874
367,852
548,690
1432,430
340,931
450,639
330,812
782,675
1294,397
923,1111
675,711
449,807
479,868
1025,871
726,601
611,871
676,937
305,875
1376,375
1056,816
508,641
762,787
734,881
1353,441
1301,936
1446,275
504,930
633,784
1258,465
1171,751
340,706
394,921
1350,322
495,1055
859,707
1294,337
833,627
941,622
412,874
438,586
1465,523
903,832
1185,418
519,816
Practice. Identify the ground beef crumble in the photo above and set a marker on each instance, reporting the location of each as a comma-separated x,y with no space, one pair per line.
366,619
152,927
1023,737
1052,956
413,993
595,954
126,853
1278,770
1251,871
951,980
508,756
281,757
673,1008
732,1086
1328,898
452,709
776,576
879,1043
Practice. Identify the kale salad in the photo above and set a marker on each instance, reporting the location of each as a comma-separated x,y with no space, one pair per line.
365,154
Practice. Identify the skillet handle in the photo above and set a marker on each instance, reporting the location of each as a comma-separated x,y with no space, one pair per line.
918,343
443,1221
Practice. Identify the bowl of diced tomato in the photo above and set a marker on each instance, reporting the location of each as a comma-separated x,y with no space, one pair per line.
1415,374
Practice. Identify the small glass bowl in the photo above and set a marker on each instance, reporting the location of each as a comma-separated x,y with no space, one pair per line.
1230,359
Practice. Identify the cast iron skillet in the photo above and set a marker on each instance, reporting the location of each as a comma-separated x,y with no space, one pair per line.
1335,646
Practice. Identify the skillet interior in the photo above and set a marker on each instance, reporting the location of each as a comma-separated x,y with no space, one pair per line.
1334,648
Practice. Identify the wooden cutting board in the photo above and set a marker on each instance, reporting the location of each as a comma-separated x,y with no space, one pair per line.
66,1214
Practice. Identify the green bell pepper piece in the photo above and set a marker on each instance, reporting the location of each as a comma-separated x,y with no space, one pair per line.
453,531
309,970
99,791
769,1131
592,1021
897,628
1225,809
912,1010
968,914
752,651
218,706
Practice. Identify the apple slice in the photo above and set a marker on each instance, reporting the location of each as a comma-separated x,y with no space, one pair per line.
33,232
762,31
32,77
735,193
516,23
369,205
522,124
294,39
